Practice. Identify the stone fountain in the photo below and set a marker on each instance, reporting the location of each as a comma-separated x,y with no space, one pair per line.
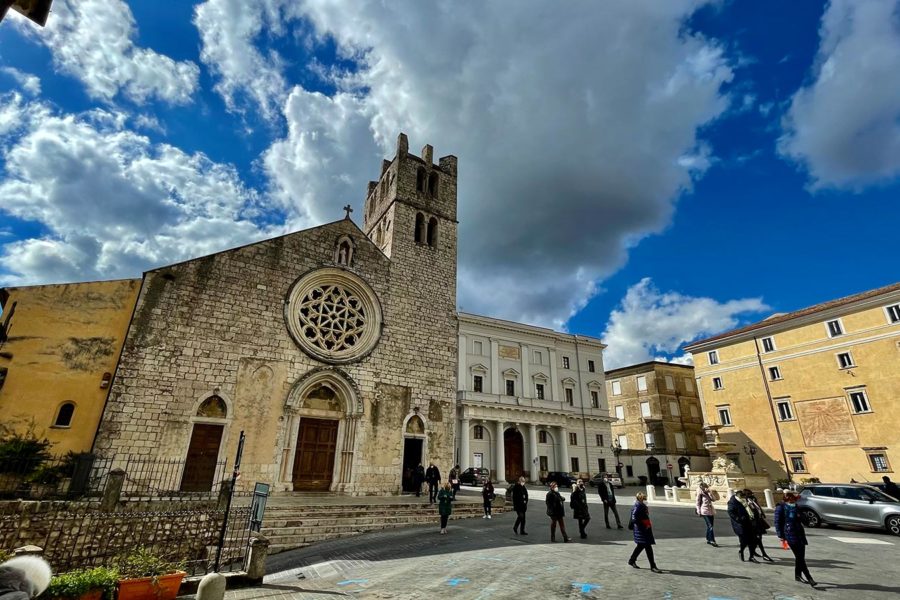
725,475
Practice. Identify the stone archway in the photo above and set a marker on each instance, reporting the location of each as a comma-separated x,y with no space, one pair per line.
514,452
683,463
653,469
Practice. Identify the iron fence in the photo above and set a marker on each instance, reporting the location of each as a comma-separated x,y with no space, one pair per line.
168,478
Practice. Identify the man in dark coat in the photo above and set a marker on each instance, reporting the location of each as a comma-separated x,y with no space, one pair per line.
742,523
433,477
608,497
891,488
418,478
557,512
520,505
580,507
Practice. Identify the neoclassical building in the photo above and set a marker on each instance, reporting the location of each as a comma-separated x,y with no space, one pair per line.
333,349
530,400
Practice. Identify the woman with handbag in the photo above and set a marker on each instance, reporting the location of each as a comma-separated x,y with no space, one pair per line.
706,510
643,532
789,528
487,494
759,519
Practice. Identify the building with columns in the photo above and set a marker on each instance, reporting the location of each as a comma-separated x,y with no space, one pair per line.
530,400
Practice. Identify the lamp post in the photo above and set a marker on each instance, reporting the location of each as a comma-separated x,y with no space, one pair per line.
751,450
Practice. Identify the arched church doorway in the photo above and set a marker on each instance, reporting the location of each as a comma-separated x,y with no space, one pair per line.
514,450
413,450
653,469
203,450
313,467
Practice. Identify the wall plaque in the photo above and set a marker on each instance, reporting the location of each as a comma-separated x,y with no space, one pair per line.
510,352
826,422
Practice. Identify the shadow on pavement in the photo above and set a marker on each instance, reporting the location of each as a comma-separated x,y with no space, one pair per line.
703,574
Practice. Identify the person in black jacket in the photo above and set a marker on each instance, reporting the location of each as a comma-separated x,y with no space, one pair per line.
433,477
557,513
487,495
742,523
789,527
418,478
580,507
608,497
891,488
520,505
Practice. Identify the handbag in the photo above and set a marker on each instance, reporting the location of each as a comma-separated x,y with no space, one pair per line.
631,523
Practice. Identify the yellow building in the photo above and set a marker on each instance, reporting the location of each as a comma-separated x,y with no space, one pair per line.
816,392
59,345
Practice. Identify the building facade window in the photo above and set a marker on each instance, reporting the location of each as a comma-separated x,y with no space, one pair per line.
724,415
620,412
645,409
510,387
785,412
835,328
478,384
601,465
595,399
859,401
64,415
648,440
575,466
478,432
768,344
478,348
798,463
893,313
623,441
695,413
573,438
879,462
845,360
539,391
616,388
591,366
542,437
713,357
570,396
717,383
679,440
599,437
670,382
674,409
774,373
641,383
629,471
565,362
689,385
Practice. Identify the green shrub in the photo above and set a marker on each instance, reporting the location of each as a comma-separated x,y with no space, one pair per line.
5,556
810,480
144,563
22,453
75,584
783,483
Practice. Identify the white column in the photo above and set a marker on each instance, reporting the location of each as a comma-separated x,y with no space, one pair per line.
462,378
554,377
563,450
527,392
464,454
495,368
533,453
500,453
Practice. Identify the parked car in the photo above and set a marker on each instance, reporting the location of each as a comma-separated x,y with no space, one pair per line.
848,504
562,479
474,476
614,478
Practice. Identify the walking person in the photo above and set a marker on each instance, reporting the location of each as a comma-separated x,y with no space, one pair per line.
487,495
418,478
557,512
579,503
454,480
759,522
433,477
445,505
643,532
608,497
742,523
520,505
789,528
706,510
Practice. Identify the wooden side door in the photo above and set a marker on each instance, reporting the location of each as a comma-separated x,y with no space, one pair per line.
314,459
202,458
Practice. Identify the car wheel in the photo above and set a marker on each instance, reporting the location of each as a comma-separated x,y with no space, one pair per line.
892,524
811,518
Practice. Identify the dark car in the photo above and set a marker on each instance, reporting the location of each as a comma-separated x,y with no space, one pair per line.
562,479
474,476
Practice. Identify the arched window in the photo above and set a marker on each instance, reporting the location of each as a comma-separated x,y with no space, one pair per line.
478,432
343,251
415,426
433,185
432,232
420,228
213,408
421,179
64,415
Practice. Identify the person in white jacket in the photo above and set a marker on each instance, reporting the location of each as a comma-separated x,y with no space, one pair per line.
705,508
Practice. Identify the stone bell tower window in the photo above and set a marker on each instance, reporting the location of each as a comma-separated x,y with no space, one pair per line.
421,180
432,232
420,228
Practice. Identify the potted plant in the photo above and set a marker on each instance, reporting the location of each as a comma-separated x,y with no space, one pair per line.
148,576
98,583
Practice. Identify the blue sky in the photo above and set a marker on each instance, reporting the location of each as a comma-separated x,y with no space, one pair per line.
646,172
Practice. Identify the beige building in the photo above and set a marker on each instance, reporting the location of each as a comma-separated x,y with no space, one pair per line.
658,421
816,391
530,400
59,345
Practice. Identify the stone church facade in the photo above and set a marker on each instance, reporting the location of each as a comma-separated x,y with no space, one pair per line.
334,349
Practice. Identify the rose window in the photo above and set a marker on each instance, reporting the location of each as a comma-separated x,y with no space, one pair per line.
333,315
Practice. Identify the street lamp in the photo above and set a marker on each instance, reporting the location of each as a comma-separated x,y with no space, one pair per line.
751,450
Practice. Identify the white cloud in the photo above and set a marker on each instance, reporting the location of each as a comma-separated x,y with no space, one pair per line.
28,82
571,150
649,324
845,125
112,203
93,40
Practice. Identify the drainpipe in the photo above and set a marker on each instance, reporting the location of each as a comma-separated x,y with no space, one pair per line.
587,460
762,373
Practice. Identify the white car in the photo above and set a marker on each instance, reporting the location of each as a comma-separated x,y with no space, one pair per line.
613,477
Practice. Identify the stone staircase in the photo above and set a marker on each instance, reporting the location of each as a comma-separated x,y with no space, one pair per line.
290,527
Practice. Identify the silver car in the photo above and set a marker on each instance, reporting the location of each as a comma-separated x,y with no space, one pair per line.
849,504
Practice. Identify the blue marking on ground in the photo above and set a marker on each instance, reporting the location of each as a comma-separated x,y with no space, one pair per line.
586,588
352,581
455,582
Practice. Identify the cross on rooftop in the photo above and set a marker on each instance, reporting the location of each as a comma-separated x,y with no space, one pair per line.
349,210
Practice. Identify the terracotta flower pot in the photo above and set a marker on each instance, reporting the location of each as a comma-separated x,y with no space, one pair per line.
164,587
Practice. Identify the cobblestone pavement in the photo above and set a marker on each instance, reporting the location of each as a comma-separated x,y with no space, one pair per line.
483,559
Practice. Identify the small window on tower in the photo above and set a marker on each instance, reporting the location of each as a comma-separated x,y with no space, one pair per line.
432,232
421,179
420,228
433,185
